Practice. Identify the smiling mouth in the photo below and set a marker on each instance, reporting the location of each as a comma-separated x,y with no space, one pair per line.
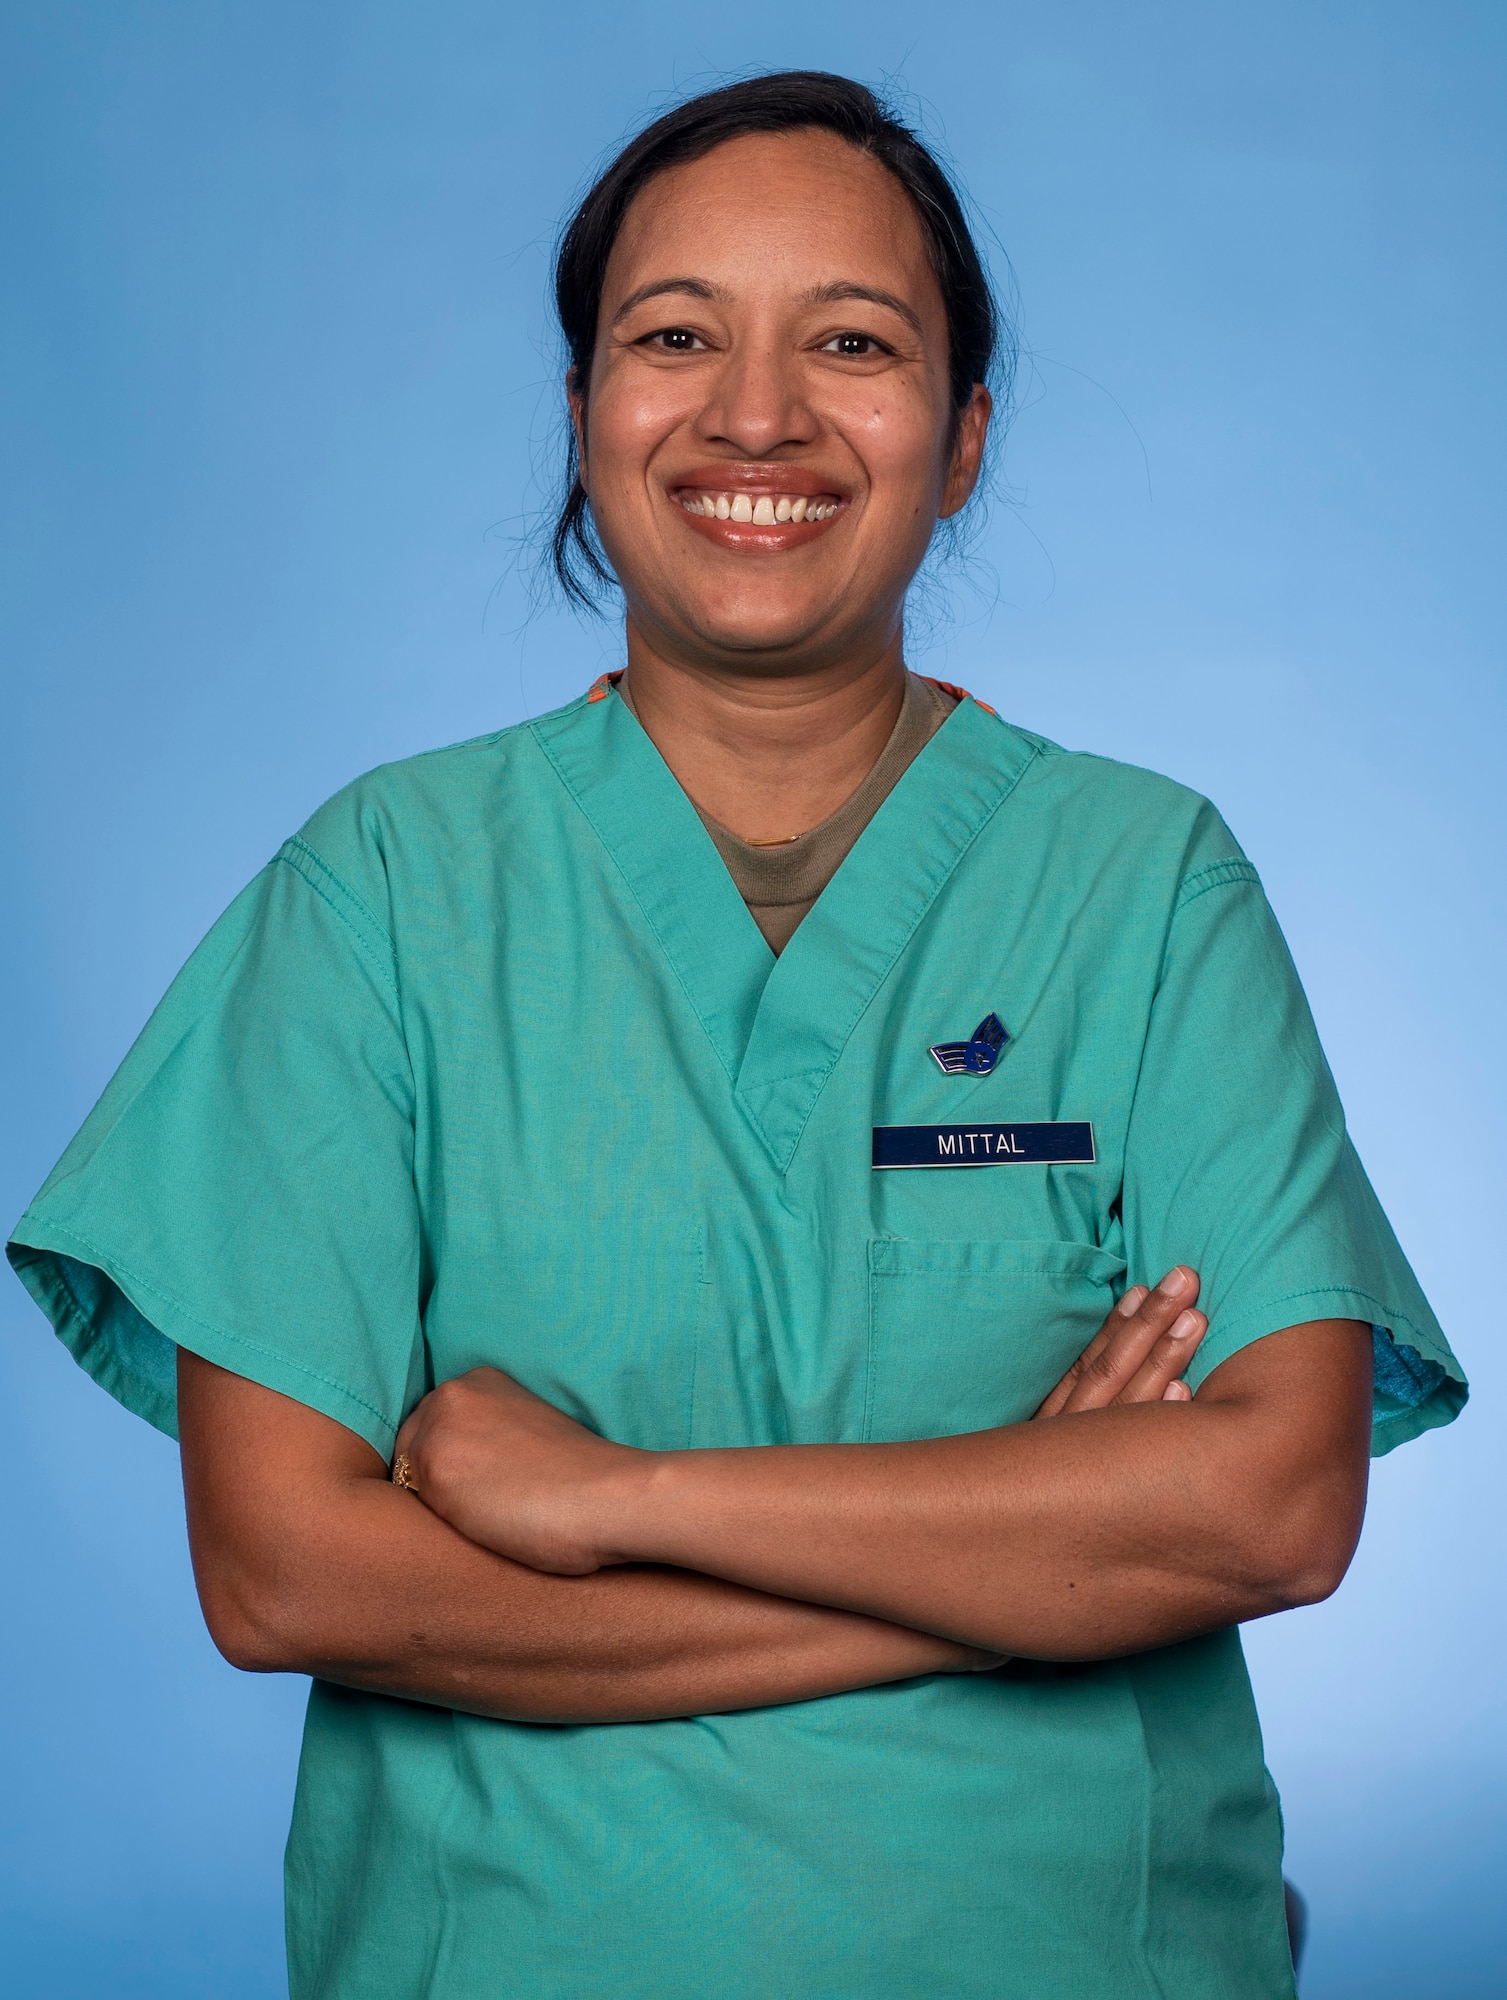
762,510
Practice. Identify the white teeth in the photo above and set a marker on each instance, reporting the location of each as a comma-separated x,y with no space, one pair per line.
764,512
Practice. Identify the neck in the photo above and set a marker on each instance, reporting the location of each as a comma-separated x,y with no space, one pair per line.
767,757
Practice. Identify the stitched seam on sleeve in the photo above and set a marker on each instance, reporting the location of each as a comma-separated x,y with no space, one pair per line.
344,887
1214,876
316,860
1387,1317
97,1253
321,878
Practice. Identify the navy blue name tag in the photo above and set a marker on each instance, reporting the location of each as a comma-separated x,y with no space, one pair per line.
983,1145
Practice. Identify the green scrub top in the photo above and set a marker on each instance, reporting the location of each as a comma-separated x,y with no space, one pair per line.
491,1064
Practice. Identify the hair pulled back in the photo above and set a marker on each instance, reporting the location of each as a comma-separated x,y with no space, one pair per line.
785,101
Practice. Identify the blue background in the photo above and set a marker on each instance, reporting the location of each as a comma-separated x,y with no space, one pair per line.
277,400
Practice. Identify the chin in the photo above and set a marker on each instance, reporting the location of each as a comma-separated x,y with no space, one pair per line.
758,626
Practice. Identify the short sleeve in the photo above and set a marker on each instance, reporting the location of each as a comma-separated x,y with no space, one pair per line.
244,1188
1238,1162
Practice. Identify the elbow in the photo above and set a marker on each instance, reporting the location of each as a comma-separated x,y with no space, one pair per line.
254,1647
1306,1549
253,1623
1309,1580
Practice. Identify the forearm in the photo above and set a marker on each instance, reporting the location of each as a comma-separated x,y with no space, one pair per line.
401,1604
308,1560
1081,1537
1080,1540
1125,1515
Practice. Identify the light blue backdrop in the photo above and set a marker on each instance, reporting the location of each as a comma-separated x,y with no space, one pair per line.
277,380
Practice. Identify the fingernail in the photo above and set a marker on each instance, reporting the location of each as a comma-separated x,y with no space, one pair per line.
1132,1302
1184,1326
1175,1281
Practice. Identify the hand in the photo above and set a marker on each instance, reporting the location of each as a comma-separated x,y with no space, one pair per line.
515,1475
1140,1352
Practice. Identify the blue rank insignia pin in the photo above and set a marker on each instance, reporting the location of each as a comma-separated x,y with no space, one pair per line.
978,1055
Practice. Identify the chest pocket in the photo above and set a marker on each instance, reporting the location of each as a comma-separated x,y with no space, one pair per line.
964,1336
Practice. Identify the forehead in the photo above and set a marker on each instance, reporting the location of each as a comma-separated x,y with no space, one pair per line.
776,210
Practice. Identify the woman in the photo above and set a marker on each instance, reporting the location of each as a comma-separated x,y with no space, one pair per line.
538,1204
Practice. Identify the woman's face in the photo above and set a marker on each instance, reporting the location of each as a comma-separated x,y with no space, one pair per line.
768,440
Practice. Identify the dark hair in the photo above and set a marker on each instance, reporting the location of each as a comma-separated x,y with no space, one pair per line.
786,101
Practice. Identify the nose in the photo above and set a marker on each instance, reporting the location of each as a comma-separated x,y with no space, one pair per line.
757,403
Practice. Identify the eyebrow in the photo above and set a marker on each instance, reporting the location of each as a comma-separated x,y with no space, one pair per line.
820,295
837,294
696,288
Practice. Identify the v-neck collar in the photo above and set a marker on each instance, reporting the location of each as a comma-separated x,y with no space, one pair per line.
846,945
779,1026
610,766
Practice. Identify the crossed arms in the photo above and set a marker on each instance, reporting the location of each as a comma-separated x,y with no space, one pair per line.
545,1574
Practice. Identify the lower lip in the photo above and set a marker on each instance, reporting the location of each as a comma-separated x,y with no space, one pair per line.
745,535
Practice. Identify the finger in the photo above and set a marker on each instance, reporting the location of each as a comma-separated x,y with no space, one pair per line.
1177,1392
1123,1309
1100,1381
1169,1359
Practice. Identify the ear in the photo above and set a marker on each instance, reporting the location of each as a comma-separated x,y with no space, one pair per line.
967,451
575,397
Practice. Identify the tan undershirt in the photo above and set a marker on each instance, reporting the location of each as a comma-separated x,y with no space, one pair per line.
780,884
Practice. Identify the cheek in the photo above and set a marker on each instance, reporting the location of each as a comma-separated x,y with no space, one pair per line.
901,439
627,421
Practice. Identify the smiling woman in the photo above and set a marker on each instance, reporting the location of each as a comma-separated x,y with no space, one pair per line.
776,384
854,1391
867,154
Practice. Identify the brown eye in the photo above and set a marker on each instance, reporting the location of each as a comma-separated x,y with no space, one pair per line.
855,346
673,340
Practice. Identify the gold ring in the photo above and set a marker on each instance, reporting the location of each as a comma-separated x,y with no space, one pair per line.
400,1472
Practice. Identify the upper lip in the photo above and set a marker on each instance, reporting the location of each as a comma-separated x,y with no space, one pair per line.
731,477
